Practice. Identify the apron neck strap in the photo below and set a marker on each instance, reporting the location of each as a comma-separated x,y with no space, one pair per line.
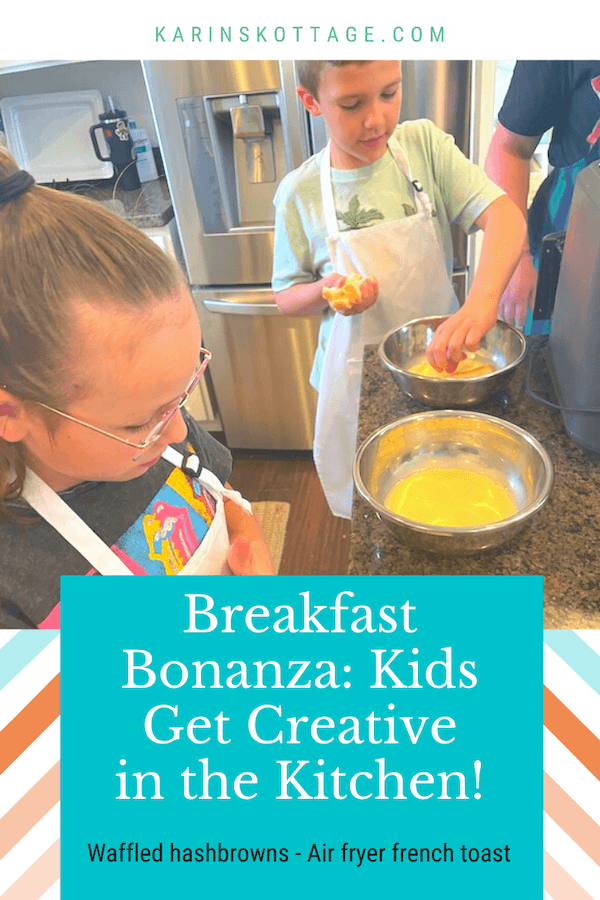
327,190
51,507
422,199
191,466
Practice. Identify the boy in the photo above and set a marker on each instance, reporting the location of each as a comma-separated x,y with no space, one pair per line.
409,182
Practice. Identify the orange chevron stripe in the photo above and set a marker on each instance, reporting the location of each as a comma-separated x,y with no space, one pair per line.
30,723
38,878
557,882
571,732
32,807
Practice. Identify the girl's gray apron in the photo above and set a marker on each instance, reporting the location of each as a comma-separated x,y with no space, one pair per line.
406,258
209,559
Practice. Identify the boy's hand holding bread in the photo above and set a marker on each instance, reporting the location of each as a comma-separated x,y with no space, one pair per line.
352,295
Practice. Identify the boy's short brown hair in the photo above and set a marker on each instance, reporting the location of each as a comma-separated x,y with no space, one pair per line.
309,71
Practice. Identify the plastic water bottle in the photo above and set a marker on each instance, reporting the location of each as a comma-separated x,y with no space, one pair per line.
145,158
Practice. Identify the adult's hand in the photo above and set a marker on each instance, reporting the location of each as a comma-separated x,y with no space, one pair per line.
519,296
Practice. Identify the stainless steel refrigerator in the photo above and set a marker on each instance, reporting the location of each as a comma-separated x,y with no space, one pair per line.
229,130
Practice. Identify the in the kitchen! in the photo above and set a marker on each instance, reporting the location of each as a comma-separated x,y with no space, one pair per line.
490,467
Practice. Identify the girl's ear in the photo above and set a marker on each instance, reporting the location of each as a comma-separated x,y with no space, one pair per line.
309,101
14,422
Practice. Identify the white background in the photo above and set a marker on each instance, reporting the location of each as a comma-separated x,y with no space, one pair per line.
118,29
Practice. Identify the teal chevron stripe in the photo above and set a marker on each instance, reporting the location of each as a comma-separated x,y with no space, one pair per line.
577,654
20,650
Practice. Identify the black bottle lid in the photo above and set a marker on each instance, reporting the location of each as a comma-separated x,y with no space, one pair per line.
113,114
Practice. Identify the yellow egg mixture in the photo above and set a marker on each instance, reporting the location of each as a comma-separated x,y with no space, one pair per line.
347,295
450,498
471,367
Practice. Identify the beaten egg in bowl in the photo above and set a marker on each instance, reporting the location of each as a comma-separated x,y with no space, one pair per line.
471,367
450,497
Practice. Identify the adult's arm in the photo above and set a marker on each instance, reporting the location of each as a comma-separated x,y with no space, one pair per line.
508,165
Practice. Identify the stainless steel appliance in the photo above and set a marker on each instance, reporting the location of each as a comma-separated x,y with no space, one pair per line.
442,90
574,342
229,131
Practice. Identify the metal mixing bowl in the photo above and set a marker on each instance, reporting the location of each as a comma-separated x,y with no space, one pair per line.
503,347
468,440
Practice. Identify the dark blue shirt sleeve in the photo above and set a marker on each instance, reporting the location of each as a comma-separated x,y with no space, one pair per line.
535,100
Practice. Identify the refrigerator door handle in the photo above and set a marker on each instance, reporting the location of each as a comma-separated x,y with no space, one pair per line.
229,307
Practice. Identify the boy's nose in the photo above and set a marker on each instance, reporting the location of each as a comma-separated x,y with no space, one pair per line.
374,115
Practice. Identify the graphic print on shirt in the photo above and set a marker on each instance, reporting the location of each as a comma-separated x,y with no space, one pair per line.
355,217
169,531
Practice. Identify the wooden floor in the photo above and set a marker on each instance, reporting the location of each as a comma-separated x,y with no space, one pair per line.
316,543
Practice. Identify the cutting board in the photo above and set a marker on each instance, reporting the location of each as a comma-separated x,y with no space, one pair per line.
48,134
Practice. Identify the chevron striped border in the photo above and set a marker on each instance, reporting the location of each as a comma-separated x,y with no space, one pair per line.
572,765
30,750
29,765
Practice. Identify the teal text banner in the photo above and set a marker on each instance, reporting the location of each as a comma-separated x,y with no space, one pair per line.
319,736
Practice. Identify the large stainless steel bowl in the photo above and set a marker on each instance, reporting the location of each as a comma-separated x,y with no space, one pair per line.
503,347
469,440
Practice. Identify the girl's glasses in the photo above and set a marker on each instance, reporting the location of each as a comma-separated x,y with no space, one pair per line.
157,430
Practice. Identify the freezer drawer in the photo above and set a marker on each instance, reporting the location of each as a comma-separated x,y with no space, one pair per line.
260,369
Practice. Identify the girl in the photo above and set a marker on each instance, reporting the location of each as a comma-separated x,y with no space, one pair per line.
99,350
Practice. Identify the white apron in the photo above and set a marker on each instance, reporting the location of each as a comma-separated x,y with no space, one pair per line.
209,559
406,258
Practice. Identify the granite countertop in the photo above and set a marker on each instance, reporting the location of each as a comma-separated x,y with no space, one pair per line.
147,207
561,542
